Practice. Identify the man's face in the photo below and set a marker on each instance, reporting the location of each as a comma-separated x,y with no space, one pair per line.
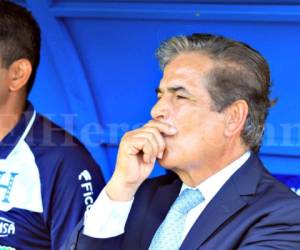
184,102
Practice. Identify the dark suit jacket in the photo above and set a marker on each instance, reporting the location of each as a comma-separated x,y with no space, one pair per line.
251,211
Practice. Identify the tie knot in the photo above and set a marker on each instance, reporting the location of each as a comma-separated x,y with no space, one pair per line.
187,200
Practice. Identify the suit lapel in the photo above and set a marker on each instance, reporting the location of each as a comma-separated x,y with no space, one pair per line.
229,200
159,206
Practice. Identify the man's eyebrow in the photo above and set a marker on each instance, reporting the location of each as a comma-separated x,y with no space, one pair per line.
172,89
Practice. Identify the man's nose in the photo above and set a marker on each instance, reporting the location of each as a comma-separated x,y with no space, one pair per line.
160,111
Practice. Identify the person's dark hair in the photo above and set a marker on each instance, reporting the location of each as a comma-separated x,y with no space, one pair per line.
19,37
239,73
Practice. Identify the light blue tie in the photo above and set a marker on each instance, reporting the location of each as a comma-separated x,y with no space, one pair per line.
169,234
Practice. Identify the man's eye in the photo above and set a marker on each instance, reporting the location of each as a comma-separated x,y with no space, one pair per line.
180,97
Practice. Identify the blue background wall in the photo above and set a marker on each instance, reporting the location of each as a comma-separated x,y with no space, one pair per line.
98,71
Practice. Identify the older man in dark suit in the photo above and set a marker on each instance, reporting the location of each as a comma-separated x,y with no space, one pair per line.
206,128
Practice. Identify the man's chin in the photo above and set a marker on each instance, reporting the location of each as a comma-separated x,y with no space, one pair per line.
166,163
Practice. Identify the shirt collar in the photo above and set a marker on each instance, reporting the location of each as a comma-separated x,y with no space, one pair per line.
11,139
214,183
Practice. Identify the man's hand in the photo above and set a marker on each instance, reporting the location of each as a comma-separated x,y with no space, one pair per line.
136,157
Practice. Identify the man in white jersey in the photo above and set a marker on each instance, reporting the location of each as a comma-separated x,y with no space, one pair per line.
47,178
206,128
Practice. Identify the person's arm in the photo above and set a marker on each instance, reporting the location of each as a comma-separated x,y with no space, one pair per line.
279,230
136,157
76,185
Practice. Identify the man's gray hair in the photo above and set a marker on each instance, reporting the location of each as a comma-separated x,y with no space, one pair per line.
239,73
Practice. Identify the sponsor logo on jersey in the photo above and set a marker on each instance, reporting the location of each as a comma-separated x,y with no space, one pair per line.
87,187
7,227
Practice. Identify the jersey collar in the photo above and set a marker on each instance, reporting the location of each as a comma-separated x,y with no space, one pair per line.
11,139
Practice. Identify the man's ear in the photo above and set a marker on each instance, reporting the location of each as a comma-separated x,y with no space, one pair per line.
235,117
19,73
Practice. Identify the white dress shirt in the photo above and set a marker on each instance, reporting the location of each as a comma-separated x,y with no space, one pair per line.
107,218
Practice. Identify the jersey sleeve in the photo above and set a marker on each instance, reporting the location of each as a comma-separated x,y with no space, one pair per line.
78,181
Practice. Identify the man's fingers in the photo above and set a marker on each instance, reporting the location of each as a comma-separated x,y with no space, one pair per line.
159,139
142,145
149,140
151,137
164,128
147,150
